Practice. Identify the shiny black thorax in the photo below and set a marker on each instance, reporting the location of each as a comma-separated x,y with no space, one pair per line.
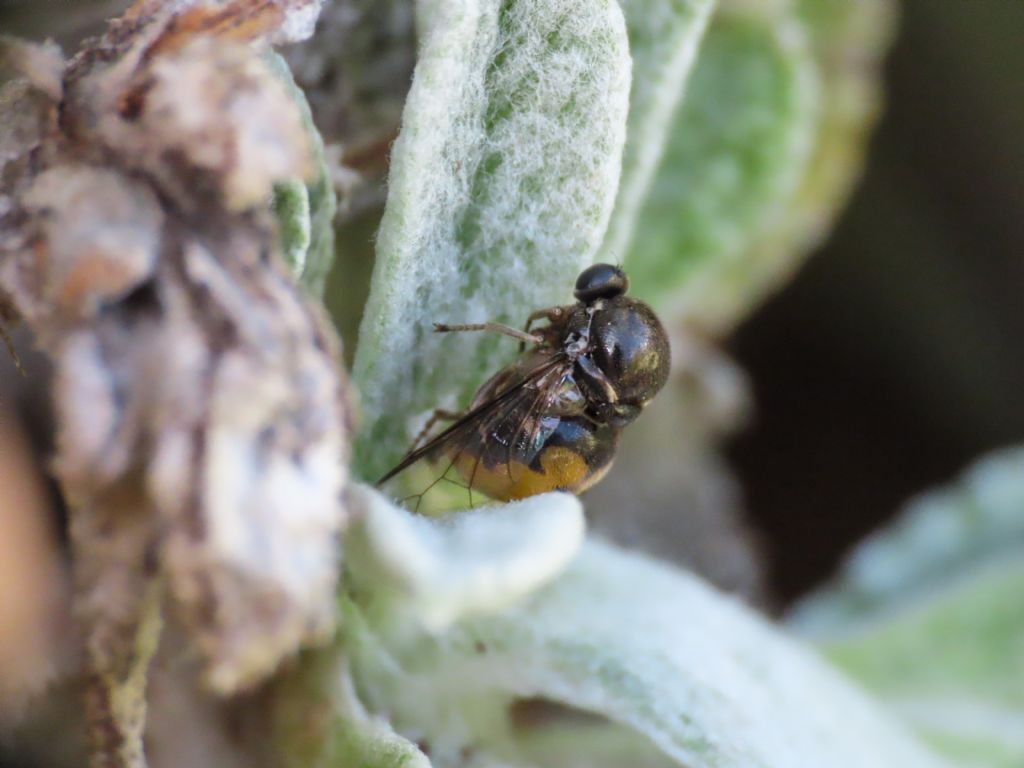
620,353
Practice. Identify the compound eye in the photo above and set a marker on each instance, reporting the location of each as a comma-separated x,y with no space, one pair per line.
600,281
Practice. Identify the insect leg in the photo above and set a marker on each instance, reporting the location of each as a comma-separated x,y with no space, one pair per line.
419,496
507,330
439,414
551,314
472,479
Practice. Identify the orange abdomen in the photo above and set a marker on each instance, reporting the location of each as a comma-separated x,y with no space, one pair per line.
575,455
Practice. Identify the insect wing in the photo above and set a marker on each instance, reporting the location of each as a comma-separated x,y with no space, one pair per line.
506,430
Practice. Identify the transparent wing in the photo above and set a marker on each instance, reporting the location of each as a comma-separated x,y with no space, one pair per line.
509,427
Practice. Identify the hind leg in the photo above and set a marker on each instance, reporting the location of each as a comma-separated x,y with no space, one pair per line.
439,414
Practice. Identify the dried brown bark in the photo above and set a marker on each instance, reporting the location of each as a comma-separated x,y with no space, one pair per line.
202,416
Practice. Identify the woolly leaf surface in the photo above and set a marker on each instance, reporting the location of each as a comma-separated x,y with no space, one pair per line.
501,184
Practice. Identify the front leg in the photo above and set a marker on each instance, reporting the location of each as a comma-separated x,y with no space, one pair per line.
553,315
501,328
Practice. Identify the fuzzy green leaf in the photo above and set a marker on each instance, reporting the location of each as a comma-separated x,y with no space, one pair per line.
736,153
318,721
664,36
291,207
477,560
953,666
305,209
428,573
501,184
676,673
762,153
929,614
847,42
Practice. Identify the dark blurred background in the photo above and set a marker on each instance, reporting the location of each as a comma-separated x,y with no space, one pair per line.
897,354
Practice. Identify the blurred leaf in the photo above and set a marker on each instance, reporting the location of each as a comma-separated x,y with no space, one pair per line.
291,207
848,41
930,614
318,721
502,181
478,560
570,739
676,667
305,210
763,152
664,36
736,153
953,667
425,573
